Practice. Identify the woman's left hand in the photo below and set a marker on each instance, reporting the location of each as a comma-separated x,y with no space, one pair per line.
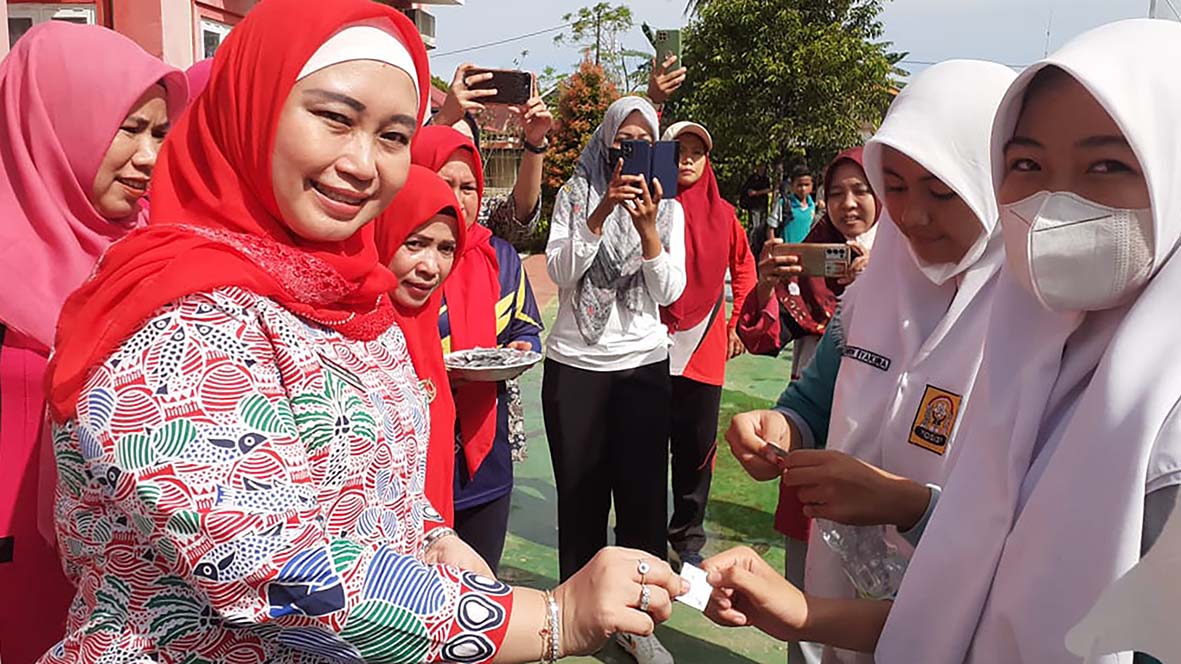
839,487
536,118
860,262
736,346
519,345
453,551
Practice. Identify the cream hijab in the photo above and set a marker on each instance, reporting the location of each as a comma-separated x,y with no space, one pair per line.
1044,505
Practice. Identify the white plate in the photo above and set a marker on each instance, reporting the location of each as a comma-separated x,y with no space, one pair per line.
517,362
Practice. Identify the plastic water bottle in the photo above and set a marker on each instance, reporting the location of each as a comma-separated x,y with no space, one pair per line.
873,564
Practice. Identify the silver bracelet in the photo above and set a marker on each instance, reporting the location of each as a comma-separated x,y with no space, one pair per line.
552,646
436,535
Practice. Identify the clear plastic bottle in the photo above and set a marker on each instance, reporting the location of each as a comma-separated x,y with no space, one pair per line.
873,564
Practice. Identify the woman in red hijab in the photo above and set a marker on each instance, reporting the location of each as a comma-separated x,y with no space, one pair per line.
703,338
787,307
420,239
487,303
241,437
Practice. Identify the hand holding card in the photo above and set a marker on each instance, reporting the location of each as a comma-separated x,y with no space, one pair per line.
699,588
749,592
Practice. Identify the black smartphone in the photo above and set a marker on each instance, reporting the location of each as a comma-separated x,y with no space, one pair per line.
512,87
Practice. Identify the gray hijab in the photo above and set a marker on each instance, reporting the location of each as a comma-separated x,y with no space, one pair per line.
615,274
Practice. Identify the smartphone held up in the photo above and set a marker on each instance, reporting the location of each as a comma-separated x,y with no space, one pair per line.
654,161
830,261
513,87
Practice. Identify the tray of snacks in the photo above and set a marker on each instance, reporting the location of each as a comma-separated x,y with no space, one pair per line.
490,365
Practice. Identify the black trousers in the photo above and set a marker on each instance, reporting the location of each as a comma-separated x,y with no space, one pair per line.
608,437
484,528
694,446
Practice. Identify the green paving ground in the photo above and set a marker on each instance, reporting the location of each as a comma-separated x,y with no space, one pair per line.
739,512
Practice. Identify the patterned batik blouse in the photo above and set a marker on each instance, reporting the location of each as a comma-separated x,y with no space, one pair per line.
243,486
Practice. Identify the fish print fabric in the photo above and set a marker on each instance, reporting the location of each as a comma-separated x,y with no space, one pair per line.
243,486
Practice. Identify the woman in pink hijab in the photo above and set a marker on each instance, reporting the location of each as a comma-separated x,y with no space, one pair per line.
83,110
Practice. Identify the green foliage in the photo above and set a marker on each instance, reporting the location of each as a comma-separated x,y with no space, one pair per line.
583,97
784,80
440,83
597,30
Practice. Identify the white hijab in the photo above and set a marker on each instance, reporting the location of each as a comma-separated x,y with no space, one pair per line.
1044,506
928,328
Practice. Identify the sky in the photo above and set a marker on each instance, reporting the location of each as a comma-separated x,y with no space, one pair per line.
1012,32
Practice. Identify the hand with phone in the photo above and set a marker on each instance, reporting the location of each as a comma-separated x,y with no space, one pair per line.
462,98
535,118
643,211
664,80
857,266
775,267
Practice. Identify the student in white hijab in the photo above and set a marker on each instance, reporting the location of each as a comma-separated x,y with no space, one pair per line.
1070,456
911,332
1075,443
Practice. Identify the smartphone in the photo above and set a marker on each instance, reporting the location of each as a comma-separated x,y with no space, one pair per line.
637,157
512,87
666,156
819,260
666,43
652,160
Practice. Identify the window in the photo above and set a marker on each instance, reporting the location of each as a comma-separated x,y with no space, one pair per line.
213,33
22,17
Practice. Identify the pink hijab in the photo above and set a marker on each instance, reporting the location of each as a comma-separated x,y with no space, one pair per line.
64,91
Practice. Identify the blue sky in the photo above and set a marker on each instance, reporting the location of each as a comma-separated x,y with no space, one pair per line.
1008,31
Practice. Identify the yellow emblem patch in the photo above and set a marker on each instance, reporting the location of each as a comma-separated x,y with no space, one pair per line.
935,420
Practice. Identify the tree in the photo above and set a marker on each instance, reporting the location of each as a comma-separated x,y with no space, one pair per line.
597,31
784,80
583,98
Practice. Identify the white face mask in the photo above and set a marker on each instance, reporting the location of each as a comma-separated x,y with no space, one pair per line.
1077,255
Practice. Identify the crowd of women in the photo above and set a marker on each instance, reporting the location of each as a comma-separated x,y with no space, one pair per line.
228,432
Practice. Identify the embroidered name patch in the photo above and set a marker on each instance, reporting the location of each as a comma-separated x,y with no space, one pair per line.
935,420
868,357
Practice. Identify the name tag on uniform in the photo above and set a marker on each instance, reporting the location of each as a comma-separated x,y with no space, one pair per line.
935,420
869,357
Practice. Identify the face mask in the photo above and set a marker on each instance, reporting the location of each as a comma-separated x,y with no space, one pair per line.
1076,255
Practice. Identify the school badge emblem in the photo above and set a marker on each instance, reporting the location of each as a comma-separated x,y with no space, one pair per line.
935,420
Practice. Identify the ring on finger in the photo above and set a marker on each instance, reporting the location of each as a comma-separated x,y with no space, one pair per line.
645,598
643,567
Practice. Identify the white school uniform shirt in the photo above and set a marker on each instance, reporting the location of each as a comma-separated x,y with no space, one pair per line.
914,332
630,339
1075,419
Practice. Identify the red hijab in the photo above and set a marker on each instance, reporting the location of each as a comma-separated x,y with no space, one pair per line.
424,196
812,309
215,221
816,302
471,293
708,218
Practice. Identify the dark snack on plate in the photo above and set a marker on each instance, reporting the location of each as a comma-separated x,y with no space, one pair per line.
489,358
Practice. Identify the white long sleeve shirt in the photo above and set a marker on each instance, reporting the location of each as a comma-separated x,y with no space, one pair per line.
631,339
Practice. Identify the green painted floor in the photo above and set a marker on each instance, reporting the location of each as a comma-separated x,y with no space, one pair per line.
739,512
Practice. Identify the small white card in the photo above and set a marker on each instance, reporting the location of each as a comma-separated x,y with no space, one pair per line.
699,588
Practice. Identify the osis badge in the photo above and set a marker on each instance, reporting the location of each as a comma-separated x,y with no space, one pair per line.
935,420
